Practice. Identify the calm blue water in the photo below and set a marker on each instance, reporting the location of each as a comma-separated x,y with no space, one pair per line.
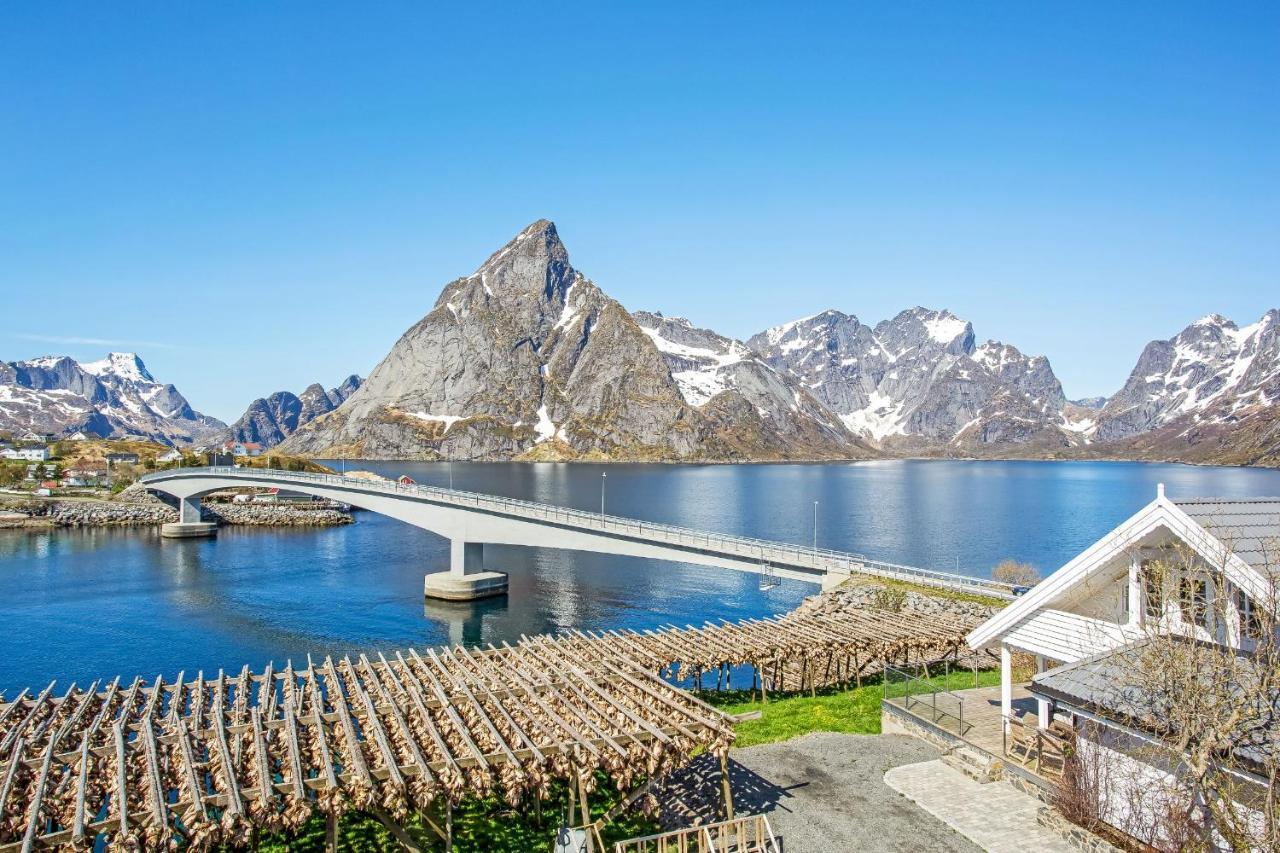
80,605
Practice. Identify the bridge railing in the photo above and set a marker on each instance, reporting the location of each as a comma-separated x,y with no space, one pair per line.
820,560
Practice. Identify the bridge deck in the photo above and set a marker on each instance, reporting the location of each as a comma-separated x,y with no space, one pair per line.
797,560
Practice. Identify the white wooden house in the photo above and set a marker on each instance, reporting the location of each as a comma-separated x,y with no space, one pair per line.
1196,569
1104,598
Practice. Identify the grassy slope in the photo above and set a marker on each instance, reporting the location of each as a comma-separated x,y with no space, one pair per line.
855,711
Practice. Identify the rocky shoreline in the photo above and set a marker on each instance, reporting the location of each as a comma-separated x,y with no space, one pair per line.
43,515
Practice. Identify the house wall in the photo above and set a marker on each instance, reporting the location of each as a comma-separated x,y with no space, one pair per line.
1137,784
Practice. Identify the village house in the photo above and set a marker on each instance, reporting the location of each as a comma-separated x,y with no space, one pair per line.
173,455
122,458
28,454
1185,575
242,448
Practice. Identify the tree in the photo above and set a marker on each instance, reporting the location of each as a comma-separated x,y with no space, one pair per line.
1018,574
1198,696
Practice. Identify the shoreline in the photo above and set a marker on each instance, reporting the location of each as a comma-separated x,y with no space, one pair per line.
81,513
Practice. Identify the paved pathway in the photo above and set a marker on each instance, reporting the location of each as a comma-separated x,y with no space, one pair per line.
996,816
825,792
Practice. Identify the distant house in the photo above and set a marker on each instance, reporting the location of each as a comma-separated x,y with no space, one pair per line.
406,480
83,435
122,459
29,454
49,484
242,448
172,456
35,436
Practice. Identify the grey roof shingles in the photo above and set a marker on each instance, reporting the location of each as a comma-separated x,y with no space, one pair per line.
1248,527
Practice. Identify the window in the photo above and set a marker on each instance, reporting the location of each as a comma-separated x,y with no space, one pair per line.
1152,590
1194,601
1250,618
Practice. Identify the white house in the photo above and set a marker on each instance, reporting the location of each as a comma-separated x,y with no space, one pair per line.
171,456
29,454
1197,570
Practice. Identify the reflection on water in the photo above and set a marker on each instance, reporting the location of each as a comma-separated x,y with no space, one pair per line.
92,603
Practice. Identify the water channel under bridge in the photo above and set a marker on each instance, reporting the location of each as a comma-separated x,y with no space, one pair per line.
470,521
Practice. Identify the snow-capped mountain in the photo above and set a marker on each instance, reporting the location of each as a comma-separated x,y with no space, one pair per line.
1214,384
270,420
919,379
113,397
527,357
705,364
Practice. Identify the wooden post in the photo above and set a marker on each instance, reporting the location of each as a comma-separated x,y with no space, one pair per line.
331,833
728,792
448,826
582,801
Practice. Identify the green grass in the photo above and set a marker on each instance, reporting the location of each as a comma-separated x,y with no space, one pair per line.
852,711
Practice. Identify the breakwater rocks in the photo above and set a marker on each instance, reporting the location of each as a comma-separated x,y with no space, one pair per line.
858,594
88,513
279,515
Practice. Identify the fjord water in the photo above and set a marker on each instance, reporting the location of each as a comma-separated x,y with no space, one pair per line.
86,604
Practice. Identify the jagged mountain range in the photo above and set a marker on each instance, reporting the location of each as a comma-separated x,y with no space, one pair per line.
527,358
115,396
270,420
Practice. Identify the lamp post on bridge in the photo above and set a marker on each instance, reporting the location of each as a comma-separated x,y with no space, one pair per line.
815,530
604,475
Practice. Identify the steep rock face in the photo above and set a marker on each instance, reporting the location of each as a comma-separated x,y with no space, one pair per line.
1211,363
1211,393
917,381
116,396
706,365
528,358
270,420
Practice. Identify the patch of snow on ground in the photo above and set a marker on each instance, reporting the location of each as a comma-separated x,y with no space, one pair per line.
945,328
447,420
699,386
545,428
882,416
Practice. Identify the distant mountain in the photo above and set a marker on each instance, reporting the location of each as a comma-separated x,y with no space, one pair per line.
1209,394
114,397
917,382
706,365
527,358
270,420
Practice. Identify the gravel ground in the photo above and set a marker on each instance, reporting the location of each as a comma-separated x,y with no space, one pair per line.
826,791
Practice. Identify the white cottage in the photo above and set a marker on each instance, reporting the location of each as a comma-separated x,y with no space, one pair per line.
1106,598
1194,572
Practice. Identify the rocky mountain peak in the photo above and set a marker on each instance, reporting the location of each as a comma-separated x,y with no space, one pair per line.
121,365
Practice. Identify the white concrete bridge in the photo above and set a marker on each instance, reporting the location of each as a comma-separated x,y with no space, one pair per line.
470,521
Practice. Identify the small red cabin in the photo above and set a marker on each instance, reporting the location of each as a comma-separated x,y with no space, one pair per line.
406,480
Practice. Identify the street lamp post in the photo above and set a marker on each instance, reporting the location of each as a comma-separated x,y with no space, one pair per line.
451,475
815,530
603,476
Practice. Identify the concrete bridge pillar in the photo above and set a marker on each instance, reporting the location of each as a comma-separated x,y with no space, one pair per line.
467,579
188,525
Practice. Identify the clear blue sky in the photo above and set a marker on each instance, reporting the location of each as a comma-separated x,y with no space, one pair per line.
256,196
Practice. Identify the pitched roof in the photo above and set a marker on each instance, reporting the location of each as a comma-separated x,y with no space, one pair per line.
1104,684
1249,527
1246,524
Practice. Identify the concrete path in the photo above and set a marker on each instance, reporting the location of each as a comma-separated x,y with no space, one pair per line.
823,792
996,816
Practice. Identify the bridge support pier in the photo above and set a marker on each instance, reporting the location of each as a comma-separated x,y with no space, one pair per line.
466,579
188,525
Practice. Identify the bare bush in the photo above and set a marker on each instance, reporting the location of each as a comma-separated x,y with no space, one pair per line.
1018,574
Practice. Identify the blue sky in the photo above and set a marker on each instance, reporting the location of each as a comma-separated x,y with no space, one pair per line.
257,196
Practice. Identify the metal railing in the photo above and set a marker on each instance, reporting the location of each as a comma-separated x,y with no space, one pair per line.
924,694
747,834
818,561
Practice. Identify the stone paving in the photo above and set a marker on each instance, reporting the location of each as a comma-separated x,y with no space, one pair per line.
996,816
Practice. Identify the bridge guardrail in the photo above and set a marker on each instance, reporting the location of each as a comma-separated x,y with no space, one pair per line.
762,550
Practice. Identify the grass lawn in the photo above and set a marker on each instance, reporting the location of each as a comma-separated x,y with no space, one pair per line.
855,711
